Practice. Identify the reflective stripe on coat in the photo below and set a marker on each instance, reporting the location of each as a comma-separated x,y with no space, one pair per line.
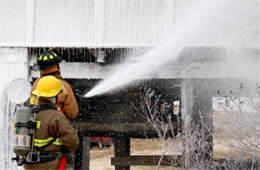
53,124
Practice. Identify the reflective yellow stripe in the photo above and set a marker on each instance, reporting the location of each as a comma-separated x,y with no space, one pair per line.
58,142
43,142
51,56
33,100
45,58
40,58
38,124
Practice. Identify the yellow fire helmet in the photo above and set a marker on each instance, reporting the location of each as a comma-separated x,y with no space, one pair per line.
48,86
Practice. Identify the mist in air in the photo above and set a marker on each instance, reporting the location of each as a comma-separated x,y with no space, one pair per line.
208,23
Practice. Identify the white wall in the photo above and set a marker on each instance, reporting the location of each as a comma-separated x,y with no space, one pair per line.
112,23
12,22
13,64
89,23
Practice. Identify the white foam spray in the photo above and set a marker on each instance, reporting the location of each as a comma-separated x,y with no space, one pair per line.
210,23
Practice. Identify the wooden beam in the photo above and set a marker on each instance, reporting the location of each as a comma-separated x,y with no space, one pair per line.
82,153
171,70
136,130
122,149
86,153
167,160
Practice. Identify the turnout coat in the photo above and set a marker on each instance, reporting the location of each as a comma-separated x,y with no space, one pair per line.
66,100
52,123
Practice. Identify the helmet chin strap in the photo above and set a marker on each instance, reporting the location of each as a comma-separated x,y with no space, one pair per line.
53,69
56,99
51,74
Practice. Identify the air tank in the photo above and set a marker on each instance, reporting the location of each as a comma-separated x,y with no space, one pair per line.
22,136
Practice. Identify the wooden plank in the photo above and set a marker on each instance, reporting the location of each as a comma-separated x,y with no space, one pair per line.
137,130
79,153
171,70
122,149
117,127
168,160
82,153
86,153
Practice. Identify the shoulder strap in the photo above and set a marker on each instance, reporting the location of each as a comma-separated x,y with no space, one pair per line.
41,107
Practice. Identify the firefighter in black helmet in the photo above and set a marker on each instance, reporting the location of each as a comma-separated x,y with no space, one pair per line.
47,60
48,64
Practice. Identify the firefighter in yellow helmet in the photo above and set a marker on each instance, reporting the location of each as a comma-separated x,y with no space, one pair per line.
54,135
48,64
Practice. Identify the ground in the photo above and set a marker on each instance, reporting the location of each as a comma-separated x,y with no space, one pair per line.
100,159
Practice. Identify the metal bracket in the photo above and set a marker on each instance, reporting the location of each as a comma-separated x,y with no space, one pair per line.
33,157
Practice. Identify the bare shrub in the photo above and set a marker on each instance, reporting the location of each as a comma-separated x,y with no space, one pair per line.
237,118
187,142
237,128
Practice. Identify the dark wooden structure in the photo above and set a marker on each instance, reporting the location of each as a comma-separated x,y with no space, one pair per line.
113,115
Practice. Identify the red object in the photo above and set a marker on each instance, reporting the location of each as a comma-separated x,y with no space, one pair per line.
104,141
62,110
63,163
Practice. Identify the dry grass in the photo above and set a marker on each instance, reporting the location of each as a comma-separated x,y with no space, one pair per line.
100,159
231,130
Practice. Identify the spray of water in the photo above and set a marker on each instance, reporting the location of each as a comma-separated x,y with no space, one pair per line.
210,23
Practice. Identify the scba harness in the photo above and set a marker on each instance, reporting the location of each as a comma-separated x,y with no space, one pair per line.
42,156
27,148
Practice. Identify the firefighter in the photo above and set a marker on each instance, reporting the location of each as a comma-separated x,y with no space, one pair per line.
54,134
48,64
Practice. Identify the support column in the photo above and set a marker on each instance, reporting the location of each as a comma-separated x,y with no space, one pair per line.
202,118
82,154
197,107
122,149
